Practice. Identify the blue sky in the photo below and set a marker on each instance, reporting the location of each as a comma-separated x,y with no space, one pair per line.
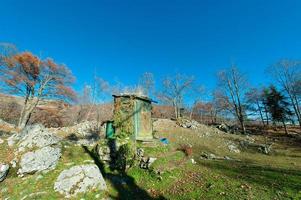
122,39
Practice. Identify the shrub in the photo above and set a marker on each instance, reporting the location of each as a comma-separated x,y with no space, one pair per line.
187,149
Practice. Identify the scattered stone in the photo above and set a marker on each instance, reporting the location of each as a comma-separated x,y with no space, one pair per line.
232,147
263,148
146,162
211,156
14,163
140,153
151,161
1,141
4,168
79,179
228,129
208,156
42,159
186,123
223,127
193,161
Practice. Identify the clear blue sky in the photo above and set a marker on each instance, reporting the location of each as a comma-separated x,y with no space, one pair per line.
122,39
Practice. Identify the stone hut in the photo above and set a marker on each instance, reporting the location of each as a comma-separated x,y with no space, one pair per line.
133,117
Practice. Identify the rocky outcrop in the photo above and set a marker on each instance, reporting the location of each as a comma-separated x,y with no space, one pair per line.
228,128
45,158
186,123
85,133
223,127
79,179
33,136
36,148
233,148
36,136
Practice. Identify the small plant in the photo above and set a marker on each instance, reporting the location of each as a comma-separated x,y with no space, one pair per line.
187,149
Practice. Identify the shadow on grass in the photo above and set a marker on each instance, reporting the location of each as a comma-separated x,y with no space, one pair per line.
263,176
123,183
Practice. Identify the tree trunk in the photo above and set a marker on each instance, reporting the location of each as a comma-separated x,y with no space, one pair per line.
285,128
176,109
295,104
26,112
242,124
266,115
260,112
24,120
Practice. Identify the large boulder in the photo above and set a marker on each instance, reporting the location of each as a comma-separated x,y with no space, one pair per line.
79,179
3,171
36,136
33,136
42,159
37,149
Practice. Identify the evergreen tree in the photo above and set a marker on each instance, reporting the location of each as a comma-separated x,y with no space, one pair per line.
278,106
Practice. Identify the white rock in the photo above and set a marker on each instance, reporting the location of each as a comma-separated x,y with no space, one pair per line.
39,160
36,136
151,161
233,148
79,179
3,171
13,163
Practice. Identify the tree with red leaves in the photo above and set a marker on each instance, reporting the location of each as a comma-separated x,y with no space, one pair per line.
24,74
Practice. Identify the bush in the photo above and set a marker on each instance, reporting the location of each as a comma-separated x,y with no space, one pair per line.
125,157
187,149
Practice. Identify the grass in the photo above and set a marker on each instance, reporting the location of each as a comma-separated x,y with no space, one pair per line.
173,176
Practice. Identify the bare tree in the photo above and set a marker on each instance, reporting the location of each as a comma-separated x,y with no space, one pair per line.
233,84
220,105
24,74
147,82
196,95
174,90
85,102
288,75
90,99
256,104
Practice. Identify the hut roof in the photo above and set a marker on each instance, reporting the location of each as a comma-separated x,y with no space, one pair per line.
141,97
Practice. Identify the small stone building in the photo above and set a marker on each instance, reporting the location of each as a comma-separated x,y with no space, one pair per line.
133,117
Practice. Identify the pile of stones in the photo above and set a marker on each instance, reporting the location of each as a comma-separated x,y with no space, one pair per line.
186,123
